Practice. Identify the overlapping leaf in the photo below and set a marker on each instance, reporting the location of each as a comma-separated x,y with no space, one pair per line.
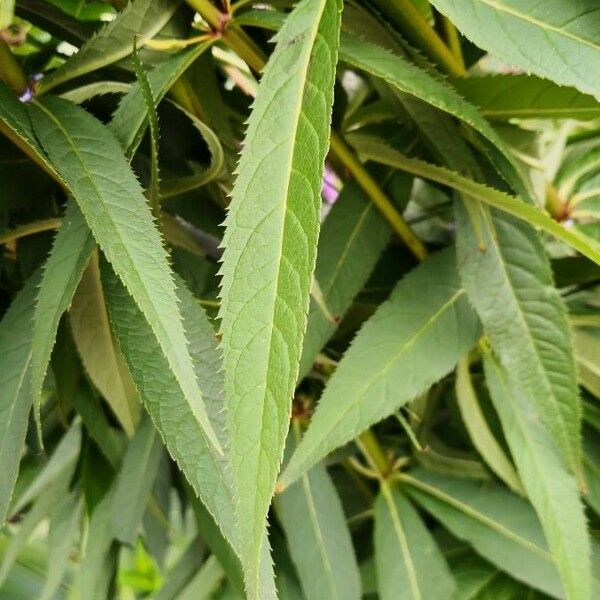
553,39
114,207
393,358
550,487
409,563
269,258
144,18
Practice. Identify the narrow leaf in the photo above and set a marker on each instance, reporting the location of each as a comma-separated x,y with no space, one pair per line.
482,437
351,241
410,566
394,358
507,96
318,538
269,258
83,151
93,337
70,254
373,149
16,335
551,489
500,525
113,42
134,481
64,527
552,39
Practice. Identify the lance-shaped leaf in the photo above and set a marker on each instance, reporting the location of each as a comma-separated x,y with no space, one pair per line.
164,400
510,286
318,538
70,254
64,527
83,151
553,39
409,79
482,437
410,566
270,247
500,525
550,487
374,149
129,121
94,340
351,241
134,481
393,359
507,96
16,335
144,18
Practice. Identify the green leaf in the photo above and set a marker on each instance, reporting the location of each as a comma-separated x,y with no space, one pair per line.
553,39
96,347
508,96
409,79
16,125
83,150
179,185
551,489
16,335
144,18
129,121
351,242
64,527
182,571
70,254
394,358
482,437
134,481
318,538
371,148
586,342
270,247
153,189
510,286
7,13
410,566
500,525
205,582
59,467
97,568
163,397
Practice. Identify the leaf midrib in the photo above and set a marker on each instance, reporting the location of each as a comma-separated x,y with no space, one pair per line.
314,519
289,168
477,516
541,24
405,549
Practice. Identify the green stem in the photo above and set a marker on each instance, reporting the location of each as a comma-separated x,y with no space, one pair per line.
29,229
452,38
370,447
10,70
412,23
233,36
374,192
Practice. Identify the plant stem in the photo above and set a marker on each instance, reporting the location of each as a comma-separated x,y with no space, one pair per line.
377,196
233,36
412,23
236,38
370,447
29,229
452,38
10,70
